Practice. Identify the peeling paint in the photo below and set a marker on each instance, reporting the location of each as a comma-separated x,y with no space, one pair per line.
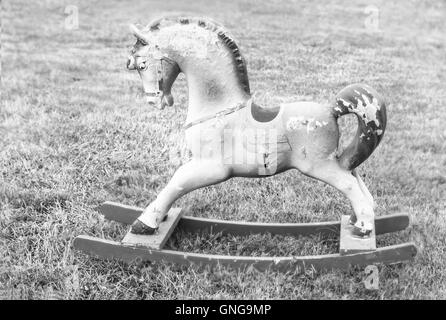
311,125
296,123
367,90
368,110
345,103
314,124
364,108
338,109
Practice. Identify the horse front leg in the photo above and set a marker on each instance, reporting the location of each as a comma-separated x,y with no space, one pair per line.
190,176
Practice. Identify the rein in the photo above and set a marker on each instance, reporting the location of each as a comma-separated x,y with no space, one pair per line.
219,114
159,71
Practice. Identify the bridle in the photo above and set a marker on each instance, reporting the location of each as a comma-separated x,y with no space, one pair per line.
160,60
219,114
159,70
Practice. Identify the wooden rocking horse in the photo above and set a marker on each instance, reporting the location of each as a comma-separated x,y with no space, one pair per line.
229,135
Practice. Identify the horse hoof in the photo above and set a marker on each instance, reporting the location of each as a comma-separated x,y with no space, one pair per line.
140,228
361,232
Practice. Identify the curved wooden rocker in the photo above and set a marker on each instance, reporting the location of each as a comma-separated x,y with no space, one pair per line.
353,251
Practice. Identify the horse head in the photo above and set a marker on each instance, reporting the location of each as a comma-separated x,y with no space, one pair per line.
157,71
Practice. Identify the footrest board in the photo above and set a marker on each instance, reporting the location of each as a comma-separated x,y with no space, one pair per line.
351,244
159,239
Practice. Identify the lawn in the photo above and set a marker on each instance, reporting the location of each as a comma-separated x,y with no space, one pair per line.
74,133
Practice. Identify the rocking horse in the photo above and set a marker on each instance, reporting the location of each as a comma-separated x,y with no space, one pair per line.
229,135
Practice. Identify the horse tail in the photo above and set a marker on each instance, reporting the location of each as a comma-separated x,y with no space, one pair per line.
370,110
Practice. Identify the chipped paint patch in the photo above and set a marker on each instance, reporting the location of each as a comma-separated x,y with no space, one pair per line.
368,110
297,123
313,124
294,123
338,109
365,108
345,103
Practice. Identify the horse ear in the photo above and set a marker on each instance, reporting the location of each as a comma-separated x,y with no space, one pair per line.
138,34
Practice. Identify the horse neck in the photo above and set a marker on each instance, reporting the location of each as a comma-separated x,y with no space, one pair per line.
211,75
212,87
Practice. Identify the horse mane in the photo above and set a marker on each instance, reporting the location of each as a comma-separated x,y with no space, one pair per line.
223,35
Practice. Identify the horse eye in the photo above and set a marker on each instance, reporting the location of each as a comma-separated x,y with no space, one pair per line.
142,66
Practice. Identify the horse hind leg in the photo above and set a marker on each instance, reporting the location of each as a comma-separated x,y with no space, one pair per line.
364,189
351,186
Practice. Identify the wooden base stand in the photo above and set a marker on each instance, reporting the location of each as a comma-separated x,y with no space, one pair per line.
350,243
353,251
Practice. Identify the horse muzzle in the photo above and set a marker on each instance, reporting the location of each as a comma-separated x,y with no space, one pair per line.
155,101
159,101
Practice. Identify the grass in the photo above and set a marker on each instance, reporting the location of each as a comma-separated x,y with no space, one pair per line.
74,133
